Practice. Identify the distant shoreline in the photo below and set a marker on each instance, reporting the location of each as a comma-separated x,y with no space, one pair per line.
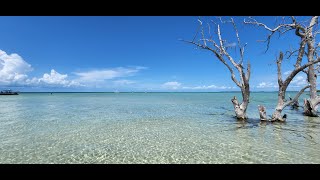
163,92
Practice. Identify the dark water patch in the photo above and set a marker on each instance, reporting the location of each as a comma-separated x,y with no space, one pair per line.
313,126
298,133
306,136
216,114
250,123
224,108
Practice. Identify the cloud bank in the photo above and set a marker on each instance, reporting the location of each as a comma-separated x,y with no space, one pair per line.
14,72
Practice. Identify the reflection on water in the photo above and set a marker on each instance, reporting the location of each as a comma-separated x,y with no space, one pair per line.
150,128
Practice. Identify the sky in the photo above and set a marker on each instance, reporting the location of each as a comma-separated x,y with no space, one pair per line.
131,53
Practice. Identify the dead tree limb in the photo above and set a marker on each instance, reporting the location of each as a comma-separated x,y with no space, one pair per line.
219,48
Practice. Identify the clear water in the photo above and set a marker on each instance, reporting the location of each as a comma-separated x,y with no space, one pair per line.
150,128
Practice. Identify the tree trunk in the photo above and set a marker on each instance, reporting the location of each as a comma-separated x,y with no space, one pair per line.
311,106
276,116
240,109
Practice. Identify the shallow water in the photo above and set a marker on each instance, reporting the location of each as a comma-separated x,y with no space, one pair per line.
150,128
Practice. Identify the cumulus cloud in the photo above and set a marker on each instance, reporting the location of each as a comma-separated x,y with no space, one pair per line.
57,79
267,85
171,85
13,69
54,78
106,74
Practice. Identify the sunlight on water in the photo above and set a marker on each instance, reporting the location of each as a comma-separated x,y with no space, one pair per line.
150,128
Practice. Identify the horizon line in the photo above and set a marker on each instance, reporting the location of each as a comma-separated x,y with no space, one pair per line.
144,91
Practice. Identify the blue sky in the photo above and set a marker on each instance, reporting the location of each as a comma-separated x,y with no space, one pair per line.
128,53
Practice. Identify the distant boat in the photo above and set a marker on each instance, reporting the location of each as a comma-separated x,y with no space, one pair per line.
8,92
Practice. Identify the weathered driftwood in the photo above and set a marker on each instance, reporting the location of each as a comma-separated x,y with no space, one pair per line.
239,109
309,109
219,48
262,113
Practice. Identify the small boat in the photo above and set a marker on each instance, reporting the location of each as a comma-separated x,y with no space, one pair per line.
8,92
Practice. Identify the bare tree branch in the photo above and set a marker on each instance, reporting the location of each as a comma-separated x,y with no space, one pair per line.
279,61
281,28
305,71
196,34
248,71
297,70
233,77
300,54
223,50
202,33
297,96
239,42
290,53
209,30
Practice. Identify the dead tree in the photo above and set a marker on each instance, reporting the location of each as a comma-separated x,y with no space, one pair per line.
283,84
219,48
311,107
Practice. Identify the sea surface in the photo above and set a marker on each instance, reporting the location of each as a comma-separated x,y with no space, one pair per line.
151,128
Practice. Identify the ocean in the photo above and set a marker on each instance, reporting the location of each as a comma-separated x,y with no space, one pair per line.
153,128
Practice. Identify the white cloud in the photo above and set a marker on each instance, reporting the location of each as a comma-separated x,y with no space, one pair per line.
299,81
123,82
171,85
13,71
267,85
106,74
204,87
13,68
287,73
56,79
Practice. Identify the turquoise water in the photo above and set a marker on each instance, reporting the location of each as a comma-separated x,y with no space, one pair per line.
150,128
